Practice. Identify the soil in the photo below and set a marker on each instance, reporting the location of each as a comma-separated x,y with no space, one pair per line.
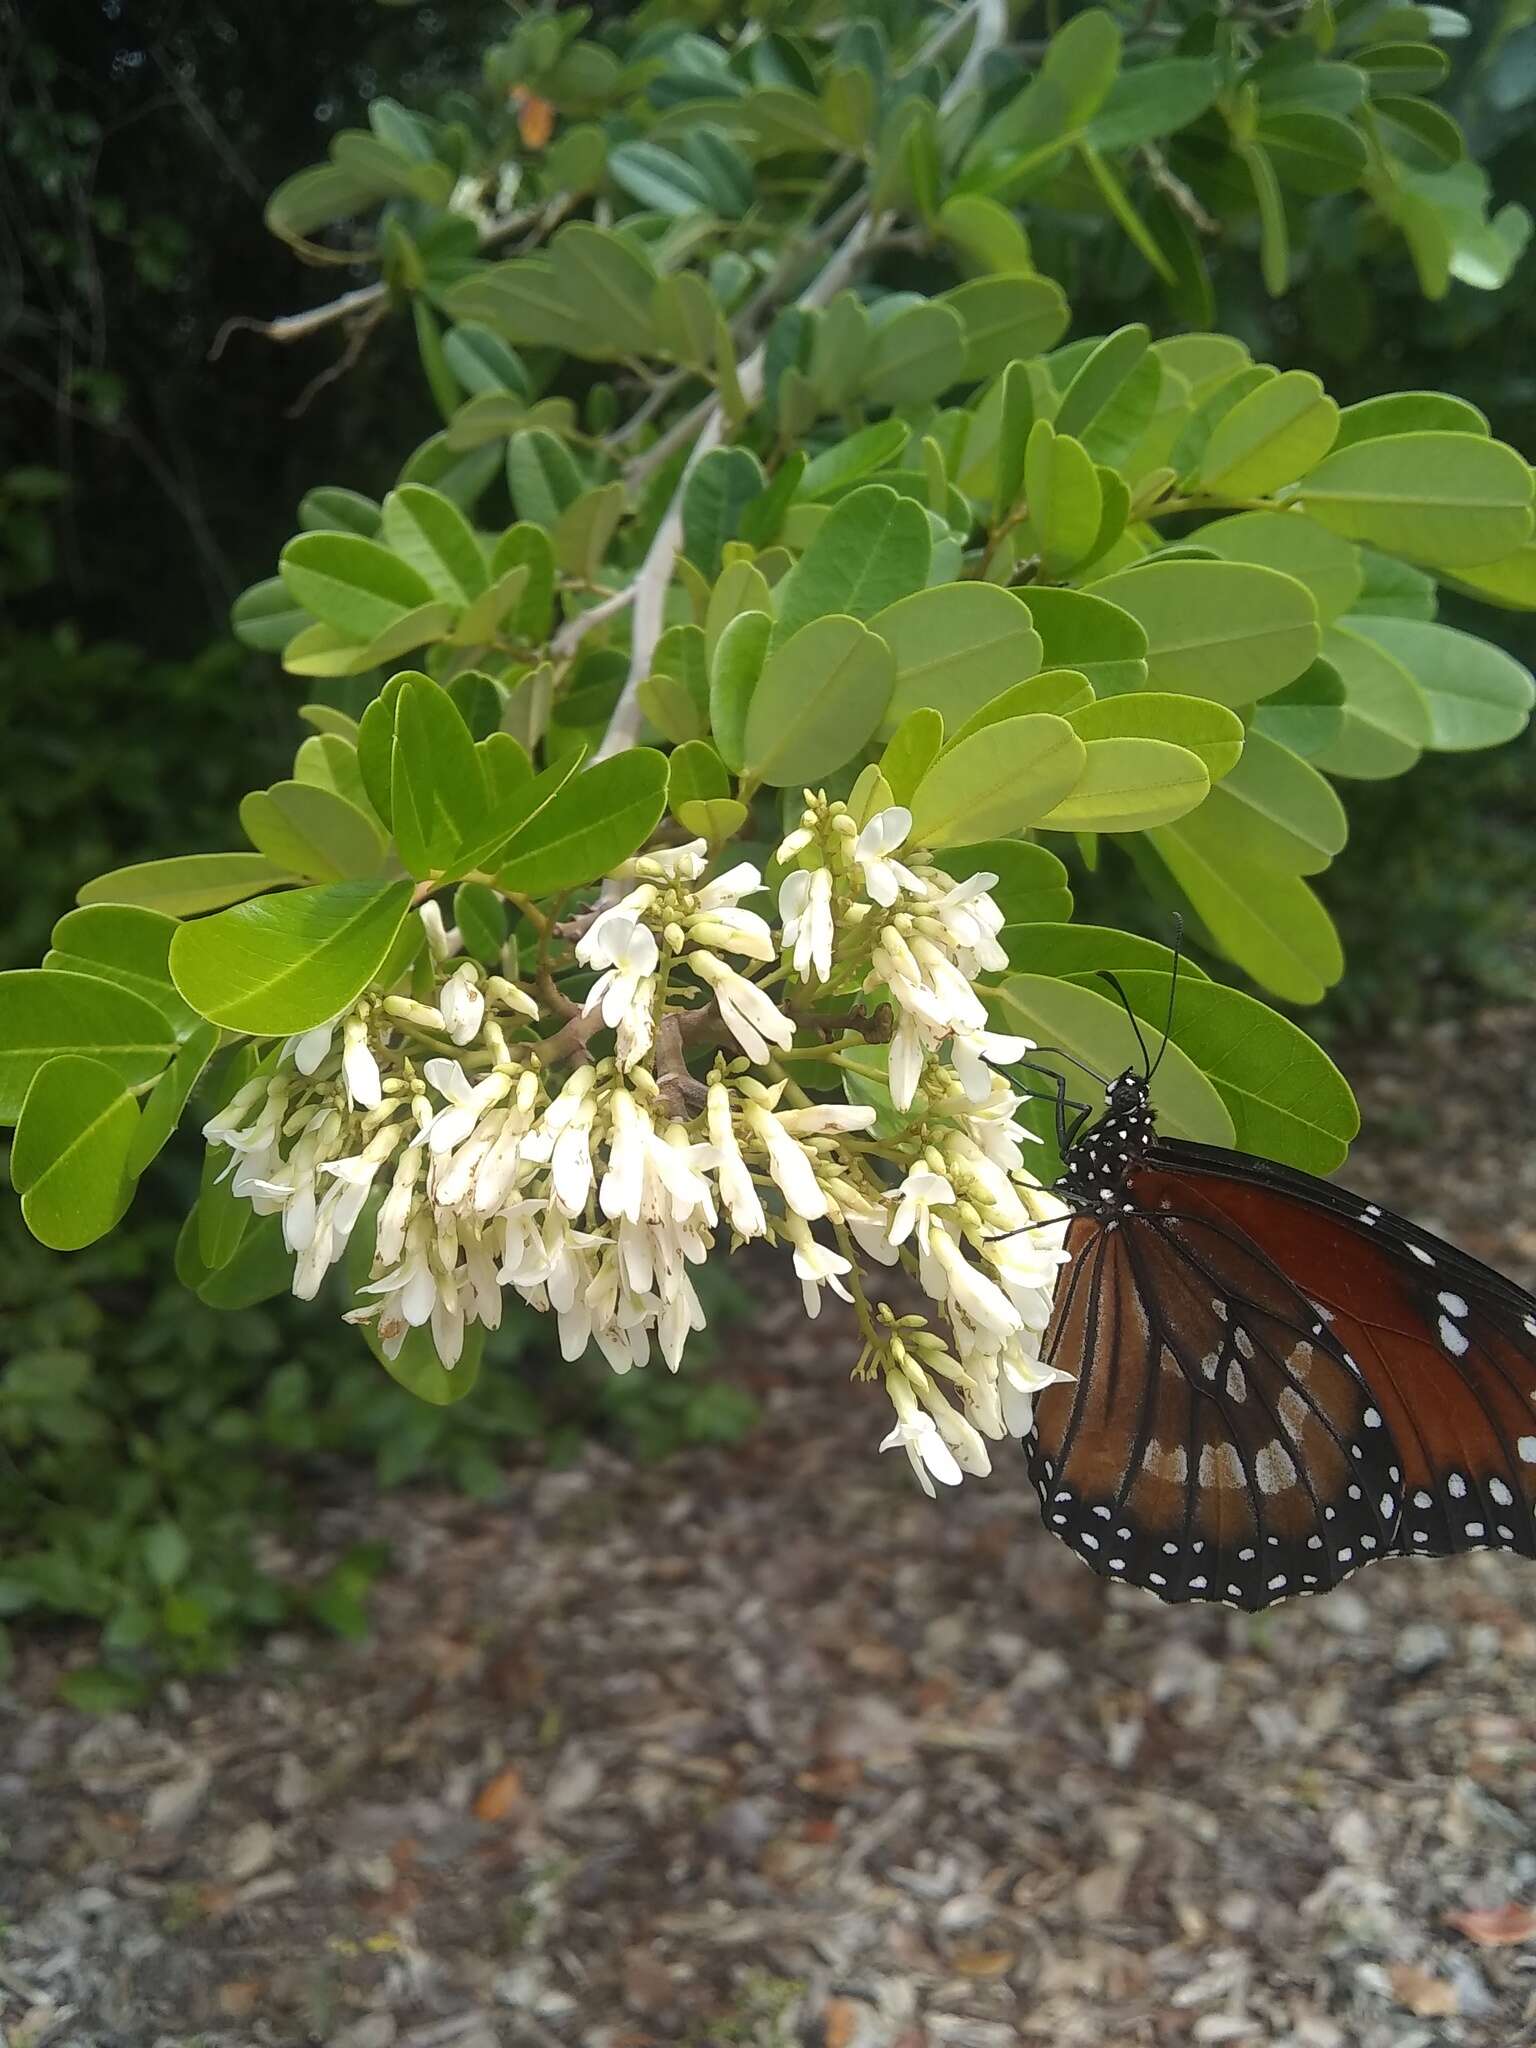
760,1746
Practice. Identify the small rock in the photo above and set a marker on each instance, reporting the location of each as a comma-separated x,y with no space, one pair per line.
742,1829
374,2030
1345,1612
250,1850
171,1805
1419,1648
295,1788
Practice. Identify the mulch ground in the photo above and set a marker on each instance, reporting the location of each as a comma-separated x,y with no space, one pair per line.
761,1747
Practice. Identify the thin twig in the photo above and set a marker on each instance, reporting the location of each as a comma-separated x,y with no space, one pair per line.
290,327
1178,192
575,630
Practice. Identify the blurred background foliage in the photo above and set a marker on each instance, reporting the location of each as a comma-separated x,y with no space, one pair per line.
150,1449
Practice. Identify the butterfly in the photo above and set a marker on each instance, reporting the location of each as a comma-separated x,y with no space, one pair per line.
1272,1382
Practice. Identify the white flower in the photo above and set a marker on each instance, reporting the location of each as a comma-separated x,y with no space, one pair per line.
735,931
917,1434
794,842
922,1190
443,943
681,1312
817,1266
947,1276
727,890
805,906
359,1068
909,1048
310,1047
1021,1378
790,1166
623,1185
627,951
570,1168
746,1011
971,1050
742,1203
462,1005
467,1102
675,863
884,878
971,921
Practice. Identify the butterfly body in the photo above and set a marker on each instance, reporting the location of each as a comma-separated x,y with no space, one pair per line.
1273,1382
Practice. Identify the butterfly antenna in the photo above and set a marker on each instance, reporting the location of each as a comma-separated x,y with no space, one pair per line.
1146,1058
1173,990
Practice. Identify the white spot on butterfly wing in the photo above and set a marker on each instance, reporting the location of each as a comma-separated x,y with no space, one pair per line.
1452,1304
1501,1493
1453,1338
1527,1449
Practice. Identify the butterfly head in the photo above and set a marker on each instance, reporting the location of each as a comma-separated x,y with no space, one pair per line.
1096,1167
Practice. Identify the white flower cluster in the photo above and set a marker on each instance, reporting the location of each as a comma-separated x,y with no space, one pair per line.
486,1156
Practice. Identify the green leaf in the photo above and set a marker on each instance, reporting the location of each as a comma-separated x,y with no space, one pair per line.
1313,152
1129,784
1307,716
955,647
1451,500
1066,503
1223,630
438,799
525,546
1289,541
820,698
332,508
1279,810
1082,60
481,917
311,832
915,355
542,476
43,1012
162,1107
1286,1098
1086,631
1209,731
1103,372
1061,691
167,1553
1076,951
717,491
356,587
987,234
1267,923
871,448
430,532
265,616
596,820
1003,779
260,1266
322,651
1095,1029
187,885
715,818
1509,582
286,963
1158,98
911,751
69,1161
315,197
1031,885
1274,236
658,178
695,774
1006,319
328,722
1478,695
1386,723
607,284
326,761
1269,438
127,946
872,549
519,805
738,658
1408,412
